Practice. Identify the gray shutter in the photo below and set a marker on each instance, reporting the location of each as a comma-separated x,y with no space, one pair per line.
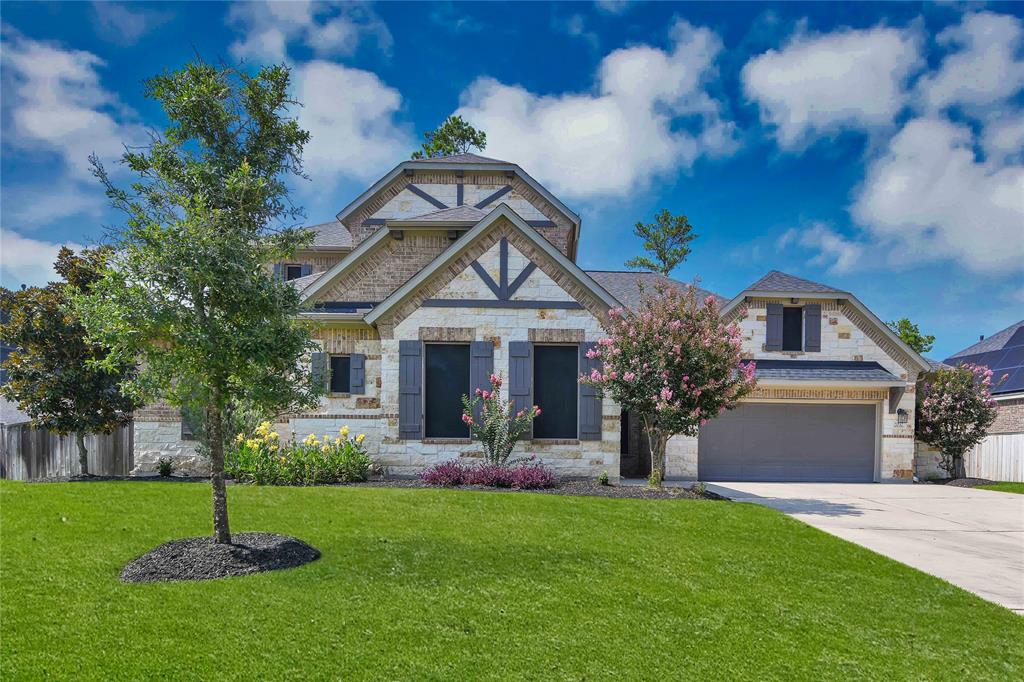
307,269
320,368
812,328
773,338
481,366
590,402
520,376
410,390
357,373
278,271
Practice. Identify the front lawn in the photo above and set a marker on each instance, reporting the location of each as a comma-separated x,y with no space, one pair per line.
442,584
1005,487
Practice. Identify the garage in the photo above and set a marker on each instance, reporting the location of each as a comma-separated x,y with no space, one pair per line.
790,442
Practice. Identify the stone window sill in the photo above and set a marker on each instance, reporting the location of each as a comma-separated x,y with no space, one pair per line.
447,441
556,441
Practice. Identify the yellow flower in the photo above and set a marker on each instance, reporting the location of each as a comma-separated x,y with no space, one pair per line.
361,437
344,431
310,440
337,441
282,459
263,429
240,438
326,448
252,443
273,435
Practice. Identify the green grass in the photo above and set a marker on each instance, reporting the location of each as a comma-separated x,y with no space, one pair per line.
447,585
1005,487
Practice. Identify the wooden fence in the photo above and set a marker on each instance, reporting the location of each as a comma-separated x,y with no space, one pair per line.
1000,457
28,454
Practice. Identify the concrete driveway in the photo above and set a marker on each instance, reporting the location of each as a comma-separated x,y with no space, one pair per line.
972,538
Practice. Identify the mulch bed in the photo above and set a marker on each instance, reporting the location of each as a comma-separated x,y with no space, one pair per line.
566,487
202,559
962,482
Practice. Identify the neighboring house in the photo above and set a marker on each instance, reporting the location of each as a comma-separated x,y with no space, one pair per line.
1003,353
448,269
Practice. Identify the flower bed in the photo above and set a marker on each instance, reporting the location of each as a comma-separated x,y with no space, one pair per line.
262,459
527,475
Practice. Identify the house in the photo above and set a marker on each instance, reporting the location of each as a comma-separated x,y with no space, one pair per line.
448,269
1003,353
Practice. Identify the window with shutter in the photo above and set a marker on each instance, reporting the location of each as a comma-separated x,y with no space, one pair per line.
792,329
446,370
357,374
292,272
340,373
590,401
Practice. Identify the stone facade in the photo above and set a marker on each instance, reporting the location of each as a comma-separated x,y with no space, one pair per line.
157,435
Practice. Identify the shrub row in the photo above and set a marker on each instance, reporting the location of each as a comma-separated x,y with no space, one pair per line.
521,476
262,459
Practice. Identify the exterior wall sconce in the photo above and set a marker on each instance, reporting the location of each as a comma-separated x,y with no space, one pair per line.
902,416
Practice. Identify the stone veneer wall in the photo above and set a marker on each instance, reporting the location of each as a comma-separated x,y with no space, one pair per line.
157,434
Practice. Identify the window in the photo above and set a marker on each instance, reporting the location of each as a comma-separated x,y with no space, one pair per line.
292,272
555,391
341,376
792,328
445,381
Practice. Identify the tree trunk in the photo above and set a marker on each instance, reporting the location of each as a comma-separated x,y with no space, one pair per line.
215,435
657,442
83,455
959,470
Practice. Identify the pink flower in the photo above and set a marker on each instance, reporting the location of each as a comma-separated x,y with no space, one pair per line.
536,411
478,393
629,376
666,394
595,375
495,380
613,375
467,420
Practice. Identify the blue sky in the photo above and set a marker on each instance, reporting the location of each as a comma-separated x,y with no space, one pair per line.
875,147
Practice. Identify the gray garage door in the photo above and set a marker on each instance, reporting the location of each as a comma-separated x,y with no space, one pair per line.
777,442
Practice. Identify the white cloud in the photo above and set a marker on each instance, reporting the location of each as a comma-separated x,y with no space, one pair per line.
648,115
933,199
56,104
576,26
329,29
122,25
826,83
832,250
350,116
1003,137
612,6
28,261
986,67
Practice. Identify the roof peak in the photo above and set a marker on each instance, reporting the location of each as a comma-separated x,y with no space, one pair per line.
776,280
466,157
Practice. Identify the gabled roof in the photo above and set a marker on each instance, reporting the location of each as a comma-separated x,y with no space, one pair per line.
455,214
464,242
782,285
824,370
468,157
626,285
1003,353
331,235
300,283
458,162
780,281
352,257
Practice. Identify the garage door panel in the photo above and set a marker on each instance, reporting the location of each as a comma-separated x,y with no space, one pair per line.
799,442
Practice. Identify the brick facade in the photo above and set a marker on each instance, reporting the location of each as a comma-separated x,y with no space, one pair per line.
1009,416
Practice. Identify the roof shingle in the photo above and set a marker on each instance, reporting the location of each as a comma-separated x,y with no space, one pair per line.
822,370
464,213
332,235
780,281
627,287
462,158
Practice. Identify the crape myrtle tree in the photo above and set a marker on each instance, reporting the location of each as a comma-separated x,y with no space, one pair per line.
954,410
54,372
454,136
674,363
190,298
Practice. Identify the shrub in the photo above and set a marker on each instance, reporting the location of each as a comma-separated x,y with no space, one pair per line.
603,478
498,425
261,459
446,473
165,466
529,475
491,475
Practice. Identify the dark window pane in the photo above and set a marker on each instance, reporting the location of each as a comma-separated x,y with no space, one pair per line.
792,328
340,373
446,380
555,391
293,272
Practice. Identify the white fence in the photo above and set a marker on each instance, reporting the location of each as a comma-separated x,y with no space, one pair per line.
1000,457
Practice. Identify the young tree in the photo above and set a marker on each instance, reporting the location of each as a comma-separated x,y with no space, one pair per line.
454,136
911,335
667,240
53,373
674,363
191,299
954,410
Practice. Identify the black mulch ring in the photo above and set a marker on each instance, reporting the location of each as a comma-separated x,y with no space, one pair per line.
962,482
202,559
